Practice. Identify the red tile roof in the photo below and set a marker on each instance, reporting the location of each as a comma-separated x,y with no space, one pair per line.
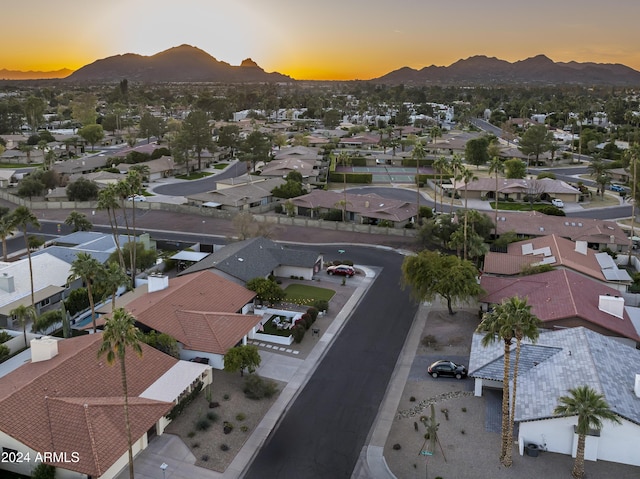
73,403
199,310
560,295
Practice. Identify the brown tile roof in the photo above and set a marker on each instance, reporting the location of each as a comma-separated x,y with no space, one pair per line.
370,205
43,403
560,295
199,310
532,223
563,251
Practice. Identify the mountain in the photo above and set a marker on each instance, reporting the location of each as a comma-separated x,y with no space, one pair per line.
535,70
33,75
179,64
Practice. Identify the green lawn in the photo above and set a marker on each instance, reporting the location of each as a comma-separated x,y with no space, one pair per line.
19,165
505,205
305,294
270,328
198,175
220,166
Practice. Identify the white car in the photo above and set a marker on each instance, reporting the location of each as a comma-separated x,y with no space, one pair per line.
557,203
136,198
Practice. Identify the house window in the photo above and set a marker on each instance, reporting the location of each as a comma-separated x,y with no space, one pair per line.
45,302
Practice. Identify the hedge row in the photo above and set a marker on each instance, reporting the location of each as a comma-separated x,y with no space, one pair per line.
366,178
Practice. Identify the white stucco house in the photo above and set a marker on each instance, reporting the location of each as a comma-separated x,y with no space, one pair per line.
559,361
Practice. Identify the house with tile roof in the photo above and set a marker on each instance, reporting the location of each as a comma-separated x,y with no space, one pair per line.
206,313
259,258
518,189
49,283
597,233
64,399
558,252
309,169
241,196
362,209
564,299
158,168
559,361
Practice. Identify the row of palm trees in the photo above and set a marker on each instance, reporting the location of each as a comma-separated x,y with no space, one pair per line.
511,320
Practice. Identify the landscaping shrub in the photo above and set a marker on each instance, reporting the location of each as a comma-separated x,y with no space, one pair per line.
178,408
240,416
255,387
227,427
321,304
212,416
298,331
313,312
224,447
203,424
306,321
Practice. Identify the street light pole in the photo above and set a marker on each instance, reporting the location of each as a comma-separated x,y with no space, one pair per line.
163,466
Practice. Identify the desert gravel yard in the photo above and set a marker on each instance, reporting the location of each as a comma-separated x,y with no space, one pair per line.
242,413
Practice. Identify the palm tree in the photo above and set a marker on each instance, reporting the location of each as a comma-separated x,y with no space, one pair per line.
496,166
592,409
455,165
79,221
497,326
23,218
344,160
417,154
108,200
113,277
467,176
442,166
134,183
89,269
23,314
597,170
525,325
120,334
7,227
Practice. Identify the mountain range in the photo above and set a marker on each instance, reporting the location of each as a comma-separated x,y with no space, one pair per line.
186,63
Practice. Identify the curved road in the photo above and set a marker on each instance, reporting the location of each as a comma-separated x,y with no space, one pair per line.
322,434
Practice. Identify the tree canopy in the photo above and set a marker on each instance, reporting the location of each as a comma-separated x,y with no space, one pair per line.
536,141
242,357
431,274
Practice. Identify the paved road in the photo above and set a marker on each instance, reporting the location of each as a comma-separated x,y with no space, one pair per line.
325,429
185,188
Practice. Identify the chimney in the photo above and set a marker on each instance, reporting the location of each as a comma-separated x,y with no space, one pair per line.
157,282
613,305
7,283
43,349
636,389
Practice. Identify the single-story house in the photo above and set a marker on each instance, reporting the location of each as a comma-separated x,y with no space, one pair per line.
159,168
206,313
259,258
620,175
518,189
364,209
241,197
102,178
281,168
563,298
596,232
300,152
558,252
67,400
18,156
49,283
80,165
559,361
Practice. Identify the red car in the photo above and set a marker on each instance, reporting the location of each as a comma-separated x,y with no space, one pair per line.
341,270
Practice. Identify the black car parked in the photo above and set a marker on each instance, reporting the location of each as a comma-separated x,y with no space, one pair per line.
447,368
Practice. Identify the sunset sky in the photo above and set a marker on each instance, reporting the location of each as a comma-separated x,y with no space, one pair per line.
329,39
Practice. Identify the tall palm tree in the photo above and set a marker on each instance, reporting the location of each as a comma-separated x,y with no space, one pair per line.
442,166
497,326
345,160
525,326
418,154
78,221
455,165
23,314
134,182
7,227
113,277
467,176
89,269
23,218
592,409
497,167
120,334
597,169
108,201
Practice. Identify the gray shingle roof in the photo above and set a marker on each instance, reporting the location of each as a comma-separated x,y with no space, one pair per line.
562,360
253,258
